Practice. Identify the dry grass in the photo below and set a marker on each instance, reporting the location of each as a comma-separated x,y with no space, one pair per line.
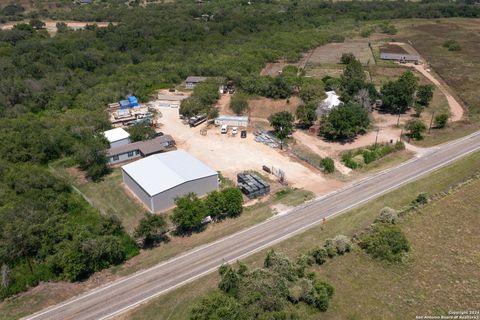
460,70
353,275
332,52
264,107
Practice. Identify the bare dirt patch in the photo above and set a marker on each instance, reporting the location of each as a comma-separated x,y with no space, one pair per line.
231,155
264,107
332,52
51,25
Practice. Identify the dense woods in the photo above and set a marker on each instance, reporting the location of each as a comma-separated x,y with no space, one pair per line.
54,89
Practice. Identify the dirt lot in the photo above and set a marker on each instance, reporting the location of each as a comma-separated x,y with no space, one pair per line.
231,155
51,25
264,107
332,52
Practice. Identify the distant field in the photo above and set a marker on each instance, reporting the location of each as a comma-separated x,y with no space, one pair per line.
395,294
459,69
332,52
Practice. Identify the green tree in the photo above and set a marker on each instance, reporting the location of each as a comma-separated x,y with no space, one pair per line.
232,201
441,120
419,108
386,242
311,91
398,96
282,123
215,203
37,24
345,122
452,45
347,58
140,132
328,165
239,103
306,114
217,306
189,213
151,229
191,107
91,156
424,95
353,78
416,128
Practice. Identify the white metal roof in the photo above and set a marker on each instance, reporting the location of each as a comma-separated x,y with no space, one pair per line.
160,172
116,134
332,100
235,118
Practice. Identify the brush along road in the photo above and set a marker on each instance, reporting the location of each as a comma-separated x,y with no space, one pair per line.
126,293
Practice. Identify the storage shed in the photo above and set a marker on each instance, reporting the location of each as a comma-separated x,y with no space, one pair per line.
192,81
117,137
232,121
140,149
158,179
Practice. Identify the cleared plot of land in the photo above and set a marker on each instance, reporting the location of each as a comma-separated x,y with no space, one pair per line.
352,299
332,52
459,69
51,26
264,107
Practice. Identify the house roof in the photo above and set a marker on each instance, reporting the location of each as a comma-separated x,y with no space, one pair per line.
148,147
332,100
195,79
116,134
163,171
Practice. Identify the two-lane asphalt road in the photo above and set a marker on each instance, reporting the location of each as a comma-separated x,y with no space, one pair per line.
126,293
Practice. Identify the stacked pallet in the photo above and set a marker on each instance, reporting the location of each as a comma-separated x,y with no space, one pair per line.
252,185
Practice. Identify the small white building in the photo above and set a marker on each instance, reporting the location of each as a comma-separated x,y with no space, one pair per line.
159,179
232,121
117,137
329,103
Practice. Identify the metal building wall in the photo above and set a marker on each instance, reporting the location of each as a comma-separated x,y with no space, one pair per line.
137,190
200,187
119,143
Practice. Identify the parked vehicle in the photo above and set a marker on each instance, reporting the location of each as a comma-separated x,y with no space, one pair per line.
224,129
196,120
234,130
243,134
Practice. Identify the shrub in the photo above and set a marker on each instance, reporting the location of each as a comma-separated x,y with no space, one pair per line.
320,255
239,103
328,165
387,215
452,45
416,127
441,120
422,198
347,58
386,242
342,244
330,248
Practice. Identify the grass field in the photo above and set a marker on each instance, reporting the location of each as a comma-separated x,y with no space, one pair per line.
107,195
460,69
357,273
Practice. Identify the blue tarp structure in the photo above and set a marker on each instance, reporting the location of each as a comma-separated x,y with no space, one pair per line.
133,101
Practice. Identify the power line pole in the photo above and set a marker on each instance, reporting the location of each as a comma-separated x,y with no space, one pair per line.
376,137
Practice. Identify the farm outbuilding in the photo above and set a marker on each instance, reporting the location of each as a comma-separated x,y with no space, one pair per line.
158,179
399,57
117,137
232,121
192,81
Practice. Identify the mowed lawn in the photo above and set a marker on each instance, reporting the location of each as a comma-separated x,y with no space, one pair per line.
445,259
